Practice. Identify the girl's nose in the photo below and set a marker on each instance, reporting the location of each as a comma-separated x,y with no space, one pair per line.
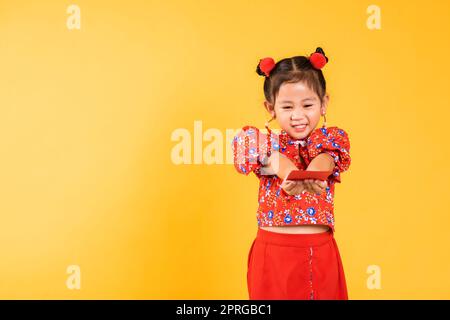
296,116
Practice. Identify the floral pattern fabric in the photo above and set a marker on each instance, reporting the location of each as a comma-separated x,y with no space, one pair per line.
276,207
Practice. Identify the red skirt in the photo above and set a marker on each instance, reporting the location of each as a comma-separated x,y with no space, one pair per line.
287,266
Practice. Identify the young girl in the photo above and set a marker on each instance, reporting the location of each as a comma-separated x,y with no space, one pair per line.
294,254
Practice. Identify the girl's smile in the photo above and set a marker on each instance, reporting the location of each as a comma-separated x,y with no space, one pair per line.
300,127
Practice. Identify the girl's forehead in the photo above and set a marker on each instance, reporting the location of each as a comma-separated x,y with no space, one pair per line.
298,91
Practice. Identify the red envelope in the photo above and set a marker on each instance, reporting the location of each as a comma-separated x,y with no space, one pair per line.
303,174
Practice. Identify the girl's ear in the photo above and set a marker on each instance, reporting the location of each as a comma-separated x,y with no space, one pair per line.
270,108
325,101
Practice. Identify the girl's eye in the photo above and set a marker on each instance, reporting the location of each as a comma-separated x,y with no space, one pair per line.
289,107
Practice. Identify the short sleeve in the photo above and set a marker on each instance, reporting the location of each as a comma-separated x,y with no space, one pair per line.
248,146
335,142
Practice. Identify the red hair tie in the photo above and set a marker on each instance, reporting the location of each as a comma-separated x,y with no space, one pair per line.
318,59
266,65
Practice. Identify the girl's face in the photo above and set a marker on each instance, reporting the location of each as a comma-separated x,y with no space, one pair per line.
297,109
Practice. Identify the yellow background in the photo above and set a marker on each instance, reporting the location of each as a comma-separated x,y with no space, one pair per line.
85,136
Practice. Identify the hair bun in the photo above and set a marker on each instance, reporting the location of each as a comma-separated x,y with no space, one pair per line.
265,66
318,59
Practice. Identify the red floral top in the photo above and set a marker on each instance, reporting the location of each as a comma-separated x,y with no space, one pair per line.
276,207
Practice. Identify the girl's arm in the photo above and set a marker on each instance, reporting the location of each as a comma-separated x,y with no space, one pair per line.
279,165
322,162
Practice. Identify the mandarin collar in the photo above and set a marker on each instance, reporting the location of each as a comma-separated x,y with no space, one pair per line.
289,140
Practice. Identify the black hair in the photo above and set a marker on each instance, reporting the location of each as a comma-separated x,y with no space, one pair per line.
291,70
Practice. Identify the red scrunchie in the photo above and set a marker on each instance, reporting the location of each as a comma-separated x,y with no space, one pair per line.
266,65
318,60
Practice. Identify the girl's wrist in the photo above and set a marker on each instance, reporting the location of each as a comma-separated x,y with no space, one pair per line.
281,165
264,160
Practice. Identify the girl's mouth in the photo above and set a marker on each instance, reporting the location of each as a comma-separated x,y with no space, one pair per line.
300,127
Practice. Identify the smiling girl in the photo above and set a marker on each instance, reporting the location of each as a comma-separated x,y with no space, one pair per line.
294,254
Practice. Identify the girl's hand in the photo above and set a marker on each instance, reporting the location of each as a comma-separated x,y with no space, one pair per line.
292,187
315,186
